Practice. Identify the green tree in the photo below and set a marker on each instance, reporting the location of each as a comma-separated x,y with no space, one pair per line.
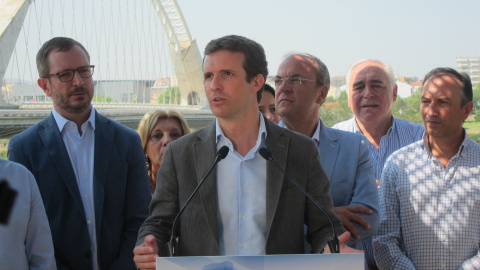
338,111
408,108
476,99
171,96
101,99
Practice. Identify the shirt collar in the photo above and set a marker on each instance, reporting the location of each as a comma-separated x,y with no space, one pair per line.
62,121
460,149
392,128
316,134
222,139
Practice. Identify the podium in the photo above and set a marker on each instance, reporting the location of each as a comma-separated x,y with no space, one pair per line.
269,262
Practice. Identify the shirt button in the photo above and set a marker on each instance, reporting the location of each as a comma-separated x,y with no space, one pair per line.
244,217
79,143
85,196
244,189
444,212
445,188
244,245
82,170
243,162
444,238
444,265
88,222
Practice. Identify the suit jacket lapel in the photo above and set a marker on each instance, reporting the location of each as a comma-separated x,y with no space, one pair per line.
204,151
52,139
328,148
278,145
104,134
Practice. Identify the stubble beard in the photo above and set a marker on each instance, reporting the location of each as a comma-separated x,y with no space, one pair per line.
63,102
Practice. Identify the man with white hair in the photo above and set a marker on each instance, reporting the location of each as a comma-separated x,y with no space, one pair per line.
371,91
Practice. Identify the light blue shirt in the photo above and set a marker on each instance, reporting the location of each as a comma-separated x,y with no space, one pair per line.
81,152
241,190
430,214
25,241
400,134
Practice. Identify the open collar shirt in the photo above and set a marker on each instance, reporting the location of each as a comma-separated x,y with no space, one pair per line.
241,190
80,149
400,134
430,214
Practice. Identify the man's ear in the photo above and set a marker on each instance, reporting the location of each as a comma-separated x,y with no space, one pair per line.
258,82
395,92
322,93
44,83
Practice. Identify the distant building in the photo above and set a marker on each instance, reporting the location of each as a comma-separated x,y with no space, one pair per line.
471,66
338,81
408,80
404,90
334,91
27,93
415,86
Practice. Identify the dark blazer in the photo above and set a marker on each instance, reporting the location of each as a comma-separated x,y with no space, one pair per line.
121,191
187,160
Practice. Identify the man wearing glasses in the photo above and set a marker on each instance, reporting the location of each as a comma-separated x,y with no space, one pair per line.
90,170
302,84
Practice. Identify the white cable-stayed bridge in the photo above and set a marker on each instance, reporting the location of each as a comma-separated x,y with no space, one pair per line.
144,55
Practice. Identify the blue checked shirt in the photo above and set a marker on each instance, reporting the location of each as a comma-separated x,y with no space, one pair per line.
430,214
400,134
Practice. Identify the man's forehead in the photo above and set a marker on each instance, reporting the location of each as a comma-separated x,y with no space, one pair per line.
443,80
224,58
295,64
369,71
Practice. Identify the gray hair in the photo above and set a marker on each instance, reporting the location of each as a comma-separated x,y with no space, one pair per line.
321,70
386,67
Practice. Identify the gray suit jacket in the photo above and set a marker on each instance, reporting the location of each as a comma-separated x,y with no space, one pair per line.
186,162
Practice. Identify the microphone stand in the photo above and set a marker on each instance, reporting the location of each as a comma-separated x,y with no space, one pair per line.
221,154
333,244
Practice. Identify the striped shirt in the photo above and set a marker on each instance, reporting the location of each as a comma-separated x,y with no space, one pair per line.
400,134
430,214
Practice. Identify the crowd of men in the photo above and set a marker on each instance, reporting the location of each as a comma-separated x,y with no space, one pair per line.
405,194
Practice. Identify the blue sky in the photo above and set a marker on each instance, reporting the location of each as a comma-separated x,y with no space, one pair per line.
412,36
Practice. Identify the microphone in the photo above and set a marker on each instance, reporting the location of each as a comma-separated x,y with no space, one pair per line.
221,154
334,244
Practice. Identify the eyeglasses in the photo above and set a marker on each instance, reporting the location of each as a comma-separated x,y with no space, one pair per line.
291,81
68,74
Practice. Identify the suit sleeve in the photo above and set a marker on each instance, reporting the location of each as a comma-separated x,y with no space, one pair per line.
164,206
38,243
319,230
137,199
365,192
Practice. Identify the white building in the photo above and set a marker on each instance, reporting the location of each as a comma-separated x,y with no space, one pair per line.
471,66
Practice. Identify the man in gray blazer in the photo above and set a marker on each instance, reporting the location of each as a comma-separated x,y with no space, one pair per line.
246,206
302,85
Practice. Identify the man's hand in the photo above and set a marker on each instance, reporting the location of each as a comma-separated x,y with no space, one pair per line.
348,215
344,248
146,254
